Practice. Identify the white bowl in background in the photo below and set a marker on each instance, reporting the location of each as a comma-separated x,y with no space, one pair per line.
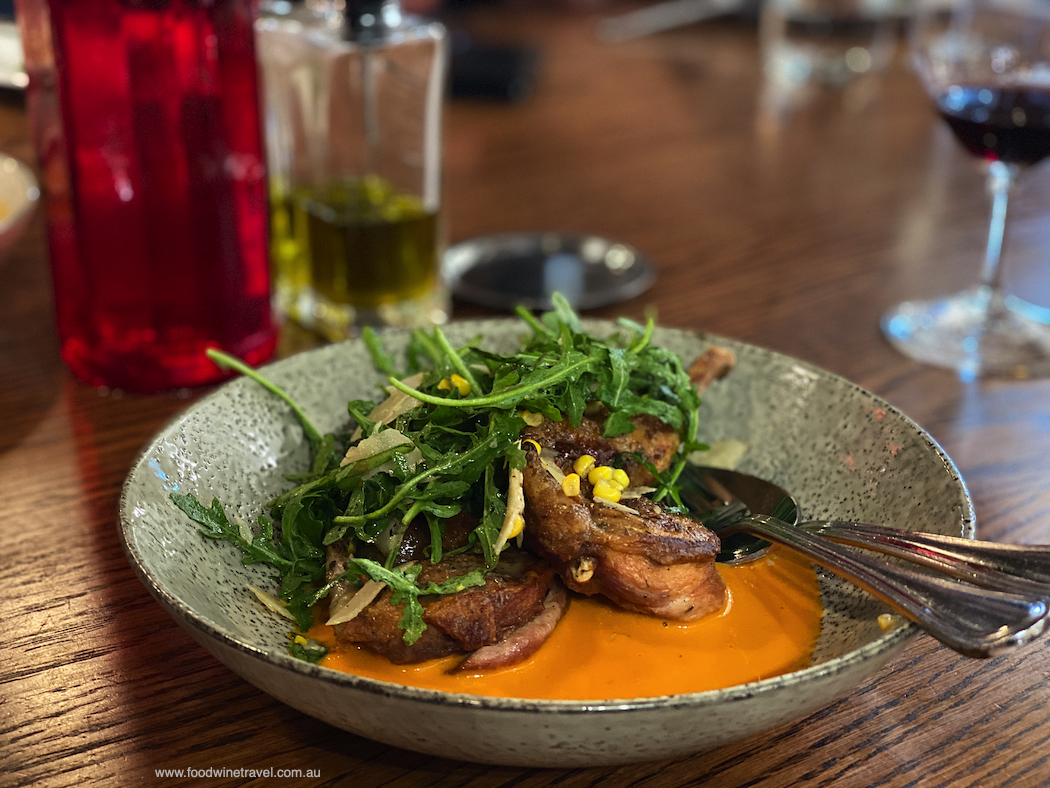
19,194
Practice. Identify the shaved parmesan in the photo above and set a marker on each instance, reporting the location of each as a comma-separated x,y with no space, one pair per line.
636,492
243,529
551,467
619,506
351,606
413,458
530,418
515,507
374,444
272,603
396,404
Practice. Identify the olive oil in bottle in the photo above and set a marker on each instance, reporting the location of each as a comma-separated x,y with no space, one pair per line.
368,244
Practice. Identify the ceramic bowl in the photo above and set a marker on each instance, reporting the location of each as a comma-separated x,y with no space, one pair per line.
841,450
19,194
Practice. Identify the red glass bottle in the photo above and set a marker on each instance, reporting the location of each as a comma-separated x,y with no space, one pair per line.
146,121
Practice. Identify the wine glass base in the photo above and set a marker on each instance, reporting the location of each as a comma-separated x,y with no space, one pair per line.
968,333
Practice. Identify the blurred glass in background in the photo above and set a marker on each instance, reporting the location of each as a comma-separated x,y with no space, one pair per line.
827,42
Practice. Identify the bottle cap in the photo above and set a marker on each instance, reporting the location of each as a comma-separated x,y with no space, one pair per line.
372,18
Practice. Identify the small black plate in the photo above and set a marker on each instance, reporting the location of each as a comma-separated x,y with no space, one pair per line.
505,271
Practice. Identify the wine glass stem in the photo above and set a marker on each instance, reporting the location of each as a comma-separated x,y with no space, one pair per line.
1001,178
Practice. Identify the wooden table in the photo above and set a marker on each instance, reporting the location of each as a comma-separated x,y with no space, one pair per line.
793,231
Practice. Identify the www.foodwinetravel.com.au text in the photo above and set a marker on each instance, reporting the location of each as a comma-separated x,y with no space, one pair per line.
243,773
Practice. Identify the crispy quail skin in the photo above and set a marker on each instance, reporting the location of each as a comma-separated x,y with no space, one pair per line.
645,559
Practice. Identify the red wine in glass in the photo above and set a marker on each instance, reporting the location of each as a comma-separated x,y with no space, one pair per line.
1010,124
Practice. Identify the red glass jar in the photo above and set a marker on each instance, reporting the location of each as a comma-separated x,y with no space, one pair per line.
145,116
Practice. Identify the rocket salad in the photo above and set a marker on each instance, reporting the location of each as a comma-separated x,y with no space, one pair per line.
442,442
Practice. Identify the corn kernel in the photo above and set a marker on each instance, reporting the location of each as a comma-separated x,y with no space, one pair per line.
539,449
517,525
571,485
462,385
583,464
445,385
300,640
621,478
606,491
600,473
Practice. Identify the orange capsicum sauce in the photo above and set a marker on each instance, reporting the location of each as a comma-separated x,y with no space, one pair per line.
768,627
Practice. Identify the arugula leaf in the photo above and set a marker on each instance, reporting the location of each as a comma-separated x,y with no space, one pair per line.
299,561
423,345
618,423
326,456
620,373
214,524
456,361
563,313
537,327
495,507
570,367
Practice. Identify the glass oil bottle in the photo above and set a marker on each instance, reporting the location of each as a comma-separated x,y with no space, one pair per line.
353,92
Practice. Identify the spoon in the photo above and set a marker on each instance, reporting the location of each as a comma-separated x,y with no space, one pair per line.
720,498
984,599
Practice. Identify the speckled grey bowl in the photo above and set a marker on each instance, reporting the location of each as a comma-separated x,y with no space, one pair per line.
843,452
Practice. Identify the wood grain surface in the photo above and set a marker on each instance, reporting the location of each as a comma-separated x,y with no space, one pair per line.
794,230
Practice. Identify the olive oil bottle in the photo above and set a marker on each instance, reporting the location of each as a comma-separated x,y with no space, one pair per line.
354,95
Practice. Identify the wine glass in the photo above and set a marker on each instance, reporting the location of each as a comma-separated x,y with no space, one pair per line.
986,65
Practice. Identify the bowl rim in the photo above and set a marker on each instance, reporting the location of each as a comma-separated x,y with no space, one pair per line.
696,700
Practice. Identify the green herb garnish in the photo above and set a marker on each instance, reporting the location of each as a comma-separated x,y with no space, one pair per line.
453,452
301,648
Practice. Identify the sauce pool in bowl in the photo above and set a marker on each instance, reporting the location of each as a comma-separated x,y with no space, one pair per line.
768,627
